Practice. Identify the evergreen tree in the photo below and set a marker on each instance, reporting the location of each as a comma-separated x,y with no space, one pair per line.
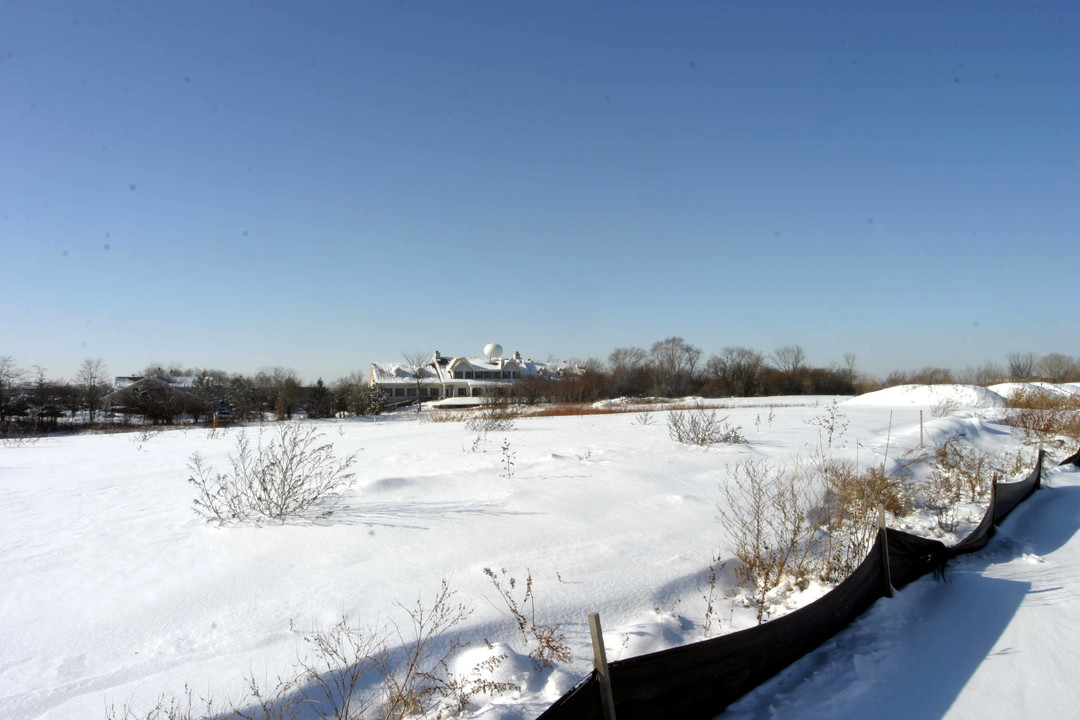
319,401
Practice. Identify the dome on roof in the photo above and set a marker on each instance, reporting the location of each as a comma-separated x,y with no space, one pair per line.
493,350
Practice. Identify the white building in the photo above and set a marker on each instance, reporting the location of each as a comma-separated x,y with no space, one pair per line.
450,377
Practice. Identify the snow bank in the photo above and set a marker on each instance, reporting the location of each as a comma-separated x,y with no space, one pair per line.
623,403
964,397
1010,388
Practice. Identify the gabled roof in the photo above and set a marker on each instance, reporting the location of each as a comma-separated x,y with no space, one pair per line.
399,372
382,372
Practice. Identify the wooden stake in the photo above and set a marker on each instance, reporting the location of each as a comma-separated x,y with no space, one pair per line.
920,430
607,699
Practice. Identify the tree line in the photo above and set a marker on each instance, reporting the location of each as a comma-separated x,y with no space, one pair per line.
669,368
165,395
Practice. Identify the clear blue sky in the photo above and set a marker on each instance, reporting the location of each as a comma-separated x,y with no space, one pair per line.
241,184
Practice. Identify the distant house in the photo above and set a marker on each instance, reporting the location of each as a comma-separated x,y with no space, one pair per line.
458,377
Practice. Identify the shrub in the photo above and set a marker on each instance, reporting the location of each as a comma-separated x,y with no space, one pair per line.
701,427
292,475
766,511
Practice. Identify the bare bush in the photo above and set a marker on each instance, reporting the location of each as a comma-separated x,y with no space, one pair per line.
493,417
548,641
352,673
418,677
767,510
645,418
345,656
258,702
292,475
166,708
443,416
960,473
702,427
945,407
17,437
833,422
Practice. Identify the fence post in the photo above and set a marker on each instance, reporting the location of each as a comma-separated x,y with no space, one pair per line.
883,540
607,699
920,430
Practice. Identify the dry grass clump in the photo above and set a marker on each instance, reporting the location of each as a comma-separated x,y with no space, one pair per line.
444,416
1044,412
849,511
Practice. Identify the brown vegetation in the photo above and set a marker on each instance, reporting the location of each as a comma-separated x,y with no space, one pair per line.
1044,412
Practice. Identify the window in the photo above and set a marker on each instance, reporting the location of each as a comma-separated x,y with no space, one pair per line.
458,375
468,375
461,392
411,392
399,392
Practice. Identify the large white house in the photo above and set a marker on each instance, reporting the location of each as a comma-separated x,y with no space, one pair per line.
450,377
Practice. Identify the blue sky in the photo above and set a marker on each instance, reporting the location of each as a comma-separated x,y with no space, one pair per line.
244,184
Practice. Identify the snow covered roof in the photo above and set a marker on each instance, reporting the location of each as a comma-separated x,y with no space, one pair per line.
383,372
399,371
183,382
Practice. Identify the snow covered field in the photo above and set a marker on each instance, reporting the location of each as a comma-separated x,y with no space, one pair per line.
113,591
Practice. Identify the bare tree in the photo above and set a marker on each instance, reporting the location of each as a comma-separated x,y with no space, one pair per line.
789,358
281,386
674,363
1021,365
9,375
417,364
1056,367
737,371
628,371
849,363
91,376
986,374
930,375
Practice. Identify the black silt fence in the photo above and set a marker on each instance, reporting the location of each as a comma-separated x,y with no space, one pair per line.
701,679
1073,459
